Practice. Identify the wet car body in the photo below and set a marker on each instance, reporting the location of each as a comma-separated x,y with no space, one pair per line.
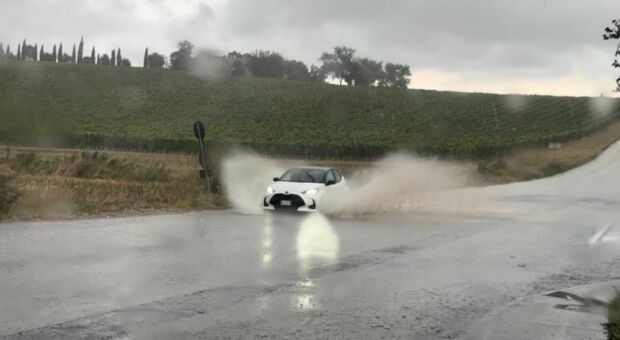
302,188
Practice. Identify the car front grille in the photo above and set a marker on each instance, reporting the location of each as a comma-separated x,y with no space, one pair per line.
295,200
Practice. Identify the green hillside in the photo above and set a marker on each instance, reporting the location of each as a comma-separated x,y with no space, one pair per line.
148,109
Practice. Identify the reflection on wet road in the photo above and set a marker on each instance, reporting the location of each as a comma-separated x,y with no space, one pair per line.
317,245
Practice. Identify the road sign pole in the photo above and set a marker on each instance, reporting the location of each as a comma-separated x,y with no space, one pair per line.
554,147
204,167
199,132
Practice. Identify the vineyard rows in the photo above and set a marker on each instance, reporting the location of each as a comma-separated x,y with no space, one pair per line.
148,109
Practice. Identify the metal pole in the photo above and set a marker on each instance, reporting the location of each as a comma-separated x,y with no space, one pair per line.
199,132
203,163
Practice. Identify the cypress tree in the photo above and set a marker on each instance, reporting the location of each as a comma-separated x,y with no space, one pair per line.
1,51
113,61
35,54
8,52
73,56
41,52
54,53
61,57
119,59
92,56
19,52
146,57
98,59
23,51
80,54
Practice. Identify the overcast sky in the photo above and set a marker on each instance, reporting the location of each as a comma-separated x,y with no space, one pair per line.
506,46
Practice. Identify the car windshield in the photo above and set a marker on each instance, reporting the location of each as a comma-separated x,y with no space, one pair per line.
304,175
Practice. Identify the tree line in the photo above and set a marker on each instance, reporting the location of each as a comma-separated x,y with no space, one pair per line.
341,65
27,52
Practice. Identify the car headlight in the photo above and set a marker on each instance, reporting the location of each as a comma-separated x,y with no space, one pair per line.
270,190
310,192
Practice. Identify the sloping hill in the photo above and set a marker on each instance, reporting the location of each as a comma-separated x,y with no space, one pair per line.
146,109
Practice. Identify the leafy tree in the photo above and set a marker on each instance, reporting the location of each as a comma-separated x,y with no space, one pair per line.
266,64
396,75
181,58
105,59
113,59
125,62
92,56
366,72
346,56
155,60
80,53
331,66
145,62
54,53
73,55
613,32
317,74
296,70
339,64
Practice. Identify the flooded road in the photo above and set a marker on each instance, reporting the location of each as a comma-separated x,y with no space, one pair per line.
425,274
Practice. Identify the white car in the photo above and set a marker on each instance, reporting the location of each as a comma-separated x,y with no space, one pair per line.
301,188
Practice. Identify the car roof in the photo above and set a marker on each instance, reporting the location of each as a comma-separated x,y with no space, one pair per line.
313,167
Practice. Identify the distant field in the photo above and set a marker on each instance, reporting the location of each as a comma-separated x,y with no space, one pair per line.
153,110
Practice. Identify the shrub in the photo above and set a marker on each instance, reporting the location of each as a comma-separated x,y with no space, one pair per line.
612,327
8,195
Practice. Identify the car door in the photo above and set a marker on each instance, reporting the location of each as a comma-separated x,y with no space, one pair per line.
338,178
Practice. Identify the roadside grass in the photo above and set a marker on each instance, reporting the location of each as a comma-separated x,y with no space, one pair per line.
8,195
527,163
46,185
612,327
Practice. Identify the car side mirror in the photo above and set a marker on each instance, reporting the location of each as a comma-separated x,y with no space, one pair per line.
275,179
330,182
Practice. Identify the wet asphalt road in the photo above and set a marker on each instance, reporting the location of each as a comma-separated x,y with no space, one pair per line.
424,274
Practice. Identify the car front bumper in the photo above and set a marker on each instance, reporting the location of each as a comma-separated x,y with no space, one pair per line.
298,202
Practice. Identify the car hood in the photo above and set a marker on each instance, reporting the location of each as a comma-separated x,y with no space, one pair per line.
294,187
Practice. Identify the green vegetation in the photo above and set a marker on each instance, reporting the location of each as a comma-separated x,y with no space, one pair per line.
612,327
153,110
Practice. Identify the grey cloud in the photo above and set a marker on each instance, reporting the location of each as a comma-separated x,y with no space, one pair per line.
491,38
438,33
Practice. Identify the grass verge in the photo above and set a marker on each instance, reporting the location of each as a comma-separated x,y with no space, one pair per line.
529,163
53,184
